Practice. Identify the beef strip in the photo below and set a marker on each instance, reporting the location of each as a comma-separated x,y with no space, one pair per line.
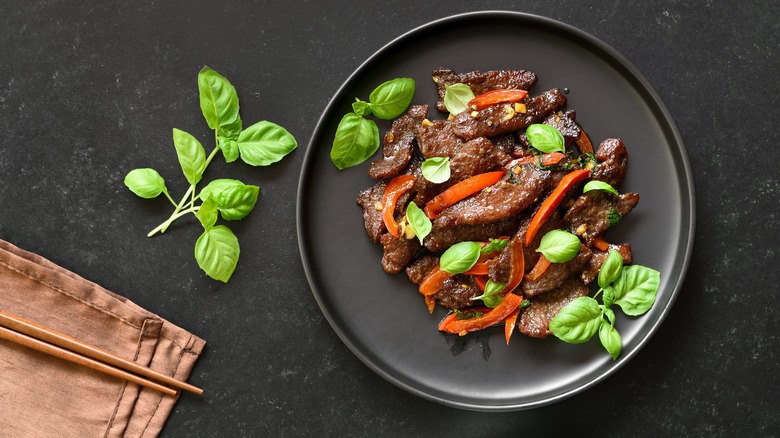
591,272
398,143
535,319
437,139
500,201
597,210
420,268
499,119
556,274
564,122
480,82
457,292
369,199
509,144
612,157
442,238
398,252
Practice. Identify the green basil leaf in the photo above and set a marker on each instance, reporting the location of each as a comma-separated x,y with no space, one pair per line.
265,143
146,183
609,314
610,269
231,131
578,321
613,216
436,169
192,156
545,138
559,246
599,185
460,257
468,314
391,99
636,288
419,222
356,141
610,339
218,98
361,108
457,97
492,297
609,296
237,202
229,150
216,187
217,252
207,213
493,246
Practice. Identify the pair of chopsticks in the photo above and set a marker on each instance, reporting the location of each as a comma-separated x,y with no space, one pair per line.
37,337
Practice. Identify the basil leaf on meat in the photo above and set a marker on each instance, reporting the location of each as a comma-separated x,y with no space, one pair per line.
192,156
578,321
356,140
599,185
460,257
457,97
436,169
636,288
610,269
545,138
265,143
146,183
391,99
491,296
419,222
559,246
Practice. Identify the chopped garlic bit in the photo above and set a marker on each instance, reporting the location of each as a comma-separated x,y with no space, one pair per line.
474,114
408,231
427,122
489,189
464,286
489,122
378,205
517,170
451,116
581,229
520,108
389,137
510,112
435,79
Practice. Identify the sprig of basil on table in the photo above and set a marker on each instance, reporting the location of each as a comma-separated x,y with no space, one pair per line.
633,288
545,138
357,138
261,144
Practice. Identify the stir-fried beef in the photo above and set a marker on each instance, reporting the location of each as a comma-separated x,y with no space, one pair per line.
563,121
442,238
502,118
535,319
420,268
554,276
612,157
591,272
509,144
371,201
480,82
398,252
438,139
595,211
499,271
475,157
457,292
500,201
398,143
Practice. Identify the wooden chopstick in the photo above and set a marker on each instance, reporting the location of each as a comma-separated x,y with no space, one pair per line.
18,330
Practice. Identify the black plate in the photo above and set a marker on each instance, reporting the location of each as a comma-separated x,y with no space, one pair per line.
382,318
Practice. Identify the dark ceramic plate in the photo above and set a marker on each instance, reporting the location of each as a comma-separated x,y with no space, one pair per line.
383,319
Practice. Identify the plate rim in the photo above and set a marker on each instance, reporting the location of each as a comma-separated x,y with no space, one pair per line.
686,176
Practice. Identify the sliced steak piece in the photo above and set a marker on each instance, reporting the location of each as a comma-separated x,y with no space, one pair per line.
509,144
420,268
564,122
398,252
398,143
612,157
499,201
437,139
480,82
595,211
535,319
502,118
371,198
591,272
557,273
442,238
457,292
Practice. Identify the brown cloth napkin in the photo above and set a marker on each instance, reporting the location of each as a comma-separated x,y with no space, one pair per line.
42,396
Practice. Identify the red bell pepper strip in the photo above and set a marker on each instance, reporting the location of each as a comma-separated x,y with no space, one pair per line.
481,281
460,191
551,203
479,268
397,187
494,316
539,268
447,319
547,159
601,244
452,316
509,324
583,142
433,281
497,96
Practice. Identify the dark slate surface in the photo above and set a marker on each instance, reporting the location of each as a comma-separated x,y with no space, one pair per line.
90,90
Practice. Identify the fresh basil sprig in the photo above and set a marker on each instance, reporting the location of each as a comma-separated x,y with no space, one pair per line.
633,288
457,97
599,185
493,246
559,246
492,296
545,138
357,138
436,169
460,257
261,144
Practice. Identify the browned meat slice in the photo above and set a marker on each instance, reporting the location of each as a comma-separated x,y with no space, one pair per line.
509,144
591,272
535,319
457,292
442,238
437,139
480,82
371,201
475,157
557,273
398,143
612,157
398,252
500,119
564,122
499,201
420,268
594,212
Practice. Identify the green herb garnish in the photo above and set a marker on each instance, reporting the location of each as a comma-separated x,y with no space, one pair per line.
545,138
457,97
559,246
418,221
460,257
436,169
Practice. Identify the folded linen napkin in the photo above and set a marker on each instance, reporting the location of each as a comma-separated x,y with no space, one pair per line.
43,396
